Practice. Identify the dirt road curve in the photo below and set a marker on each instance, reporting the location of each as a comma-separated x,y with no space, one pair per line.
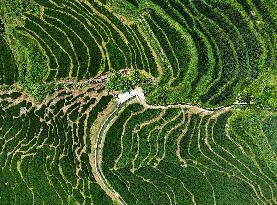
138,94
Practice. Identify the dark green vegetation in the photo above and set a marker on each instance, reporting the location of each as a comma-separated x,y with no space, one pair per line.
176,156
210,50
233,47
209,53
8,68
2,27
45,150
205,52
82,40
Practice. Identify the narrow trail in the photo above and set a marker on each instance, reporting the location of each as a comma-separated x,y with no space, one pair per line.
141,99
135,95
98,159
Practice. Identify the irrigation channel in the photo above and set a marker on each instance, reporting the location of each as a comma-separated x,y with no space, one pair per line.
138,97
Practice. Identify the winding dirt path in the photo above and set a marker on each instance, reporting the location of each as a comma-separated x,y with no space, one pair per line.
100,138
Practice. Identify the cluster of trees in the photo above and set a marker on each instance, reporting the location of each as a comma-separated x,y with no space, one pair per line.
266,98
10,9
32,67
262,92
31,62
120,82
11,14
159,96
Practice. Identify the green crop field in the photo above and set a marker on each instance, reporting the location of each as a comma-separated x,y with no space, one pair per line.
45,149
179,156
165,102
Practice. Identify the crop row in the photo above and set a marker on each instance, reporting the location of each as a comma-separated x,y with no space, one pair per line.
84,39
45,149
231,48
8,68
177,156
205,51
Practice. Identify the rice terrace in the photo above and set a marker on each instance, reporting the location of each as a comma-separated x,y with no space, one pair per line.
148,102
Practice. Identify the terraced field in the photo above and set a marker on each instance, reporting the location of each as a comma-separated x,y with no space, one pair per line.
201,124
206,51
209,49
183,156
46,149
83,39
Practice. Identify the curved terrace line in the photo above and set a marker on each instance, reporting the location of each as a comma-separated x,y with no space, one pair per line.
124,98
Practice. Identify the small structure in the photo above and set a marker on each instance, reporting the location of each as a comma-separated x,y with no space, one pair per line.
123,97
137,92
